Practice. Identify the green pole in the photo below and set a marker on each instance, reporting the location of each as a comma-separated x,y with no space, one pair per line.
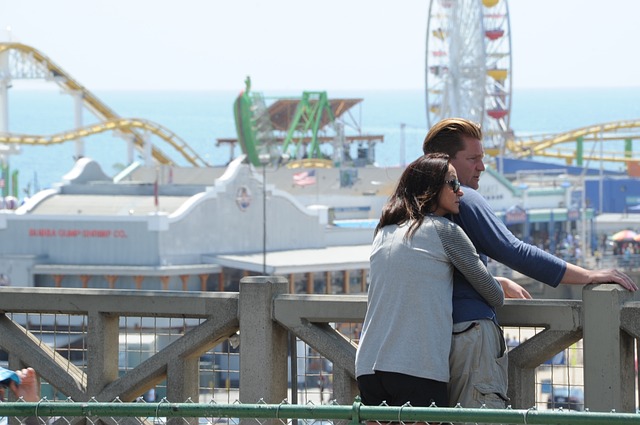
5,180
579,150
628,148
14,184
628,151
356,413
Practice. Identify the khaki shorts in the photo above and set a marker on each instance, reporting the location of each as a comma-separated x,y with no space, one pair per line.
478,363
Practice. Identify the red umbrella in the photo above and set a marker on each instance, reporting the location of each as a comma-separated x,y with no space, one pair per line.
624,235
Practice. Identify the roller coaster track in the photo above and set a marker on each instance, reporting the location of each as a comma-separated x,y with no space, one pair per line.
24,61
118,124
608,132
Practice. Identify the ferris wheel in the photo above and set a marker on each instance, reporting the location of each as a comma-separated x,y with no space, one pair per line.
468,66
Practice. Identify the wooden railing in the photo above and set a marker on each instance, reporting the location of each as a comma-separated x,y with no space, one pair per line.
607,320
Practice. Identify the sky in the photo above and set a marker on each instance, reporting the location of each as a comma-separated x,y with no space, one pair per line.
304,45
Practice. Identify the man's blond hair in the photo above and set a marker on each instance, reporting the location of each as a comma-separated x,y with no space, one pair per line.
446,136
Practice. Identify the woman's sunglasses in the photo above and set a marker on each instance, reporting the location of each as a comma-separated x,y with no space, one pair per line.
455,184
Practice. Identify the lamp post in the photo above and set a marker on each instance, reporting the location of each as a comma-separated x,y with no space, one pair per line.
264,160
583,207
524,188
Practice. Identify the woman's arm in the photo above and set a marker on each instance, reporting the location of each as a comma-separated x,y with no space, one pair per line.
512,289
464,257
491,237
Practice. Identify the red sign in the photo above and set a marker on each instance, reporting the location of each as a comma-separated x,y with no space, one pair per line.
46,232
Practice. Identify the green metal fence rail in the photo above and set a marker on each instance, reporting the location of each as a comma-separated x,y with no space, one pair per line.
356,413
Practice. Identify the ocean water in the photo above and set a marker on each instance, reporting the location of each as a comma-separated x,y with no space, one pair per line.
200,118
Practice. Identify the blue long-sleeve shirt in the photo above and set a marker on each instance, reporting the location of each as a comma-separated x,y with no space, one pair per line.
492,239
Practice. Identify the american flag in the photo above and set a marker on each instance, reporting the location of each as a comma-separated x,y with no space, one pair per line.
305,178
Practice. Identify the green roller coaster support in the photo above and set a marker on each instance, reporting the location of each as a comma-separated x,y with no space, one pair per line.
309,113
628,150
5,178
14,184
306,120
579,150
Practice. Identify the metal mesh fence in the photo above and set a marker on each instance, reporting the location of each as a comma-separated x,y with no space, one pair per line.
189,413
560,380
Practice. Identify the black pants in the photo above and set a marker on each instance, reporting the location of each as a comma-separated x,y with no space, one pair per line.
395,389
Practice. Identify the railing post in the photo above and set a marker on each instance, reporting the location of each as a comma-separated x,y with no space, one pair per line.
183,380
102,351
608,351
263,342
522,383
345,388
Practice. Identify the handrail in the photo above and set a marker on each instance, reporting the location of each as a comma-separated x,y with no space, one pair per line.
264,313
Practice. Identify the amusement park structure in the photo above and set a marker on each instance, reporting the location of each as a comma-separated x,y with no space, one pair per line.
468,65
293,131
469,74
580,144
289,128
19,61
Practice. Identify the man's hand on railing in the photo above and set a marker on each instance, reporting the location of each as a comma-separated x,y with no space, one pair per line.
613,276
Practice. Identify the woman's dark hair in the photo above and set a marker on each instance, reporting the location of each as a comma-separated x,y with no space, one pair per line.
416,194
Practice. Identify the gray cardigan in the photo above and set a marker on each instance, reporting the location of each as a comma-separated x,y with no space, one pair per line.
408,325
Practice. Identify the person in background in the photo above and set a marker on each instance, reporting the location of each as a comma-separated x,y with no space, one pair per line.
25,386
29,387
403,353
23,383
478,359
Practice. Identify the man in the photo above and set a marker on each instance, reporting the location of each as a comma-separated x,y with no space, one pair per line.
478,359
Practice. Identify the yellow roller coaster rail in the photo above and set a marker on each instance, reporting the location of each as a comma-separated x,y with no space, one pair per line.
27,55
118,124
555,146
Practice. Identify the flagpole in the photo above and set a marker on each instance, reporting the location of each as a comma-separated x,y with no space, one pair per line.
264,218
317,186
264,160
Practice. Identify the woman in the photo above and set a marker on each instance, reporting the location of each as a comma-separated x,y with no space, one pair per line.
403,354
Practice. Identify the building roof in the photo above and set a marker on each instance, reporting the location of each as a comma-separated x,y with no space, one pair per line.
282,111
107,205
334,258
95,270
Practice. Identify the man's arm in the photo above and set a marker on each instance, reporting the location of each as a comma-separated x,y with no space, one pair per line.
492,238
576,275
